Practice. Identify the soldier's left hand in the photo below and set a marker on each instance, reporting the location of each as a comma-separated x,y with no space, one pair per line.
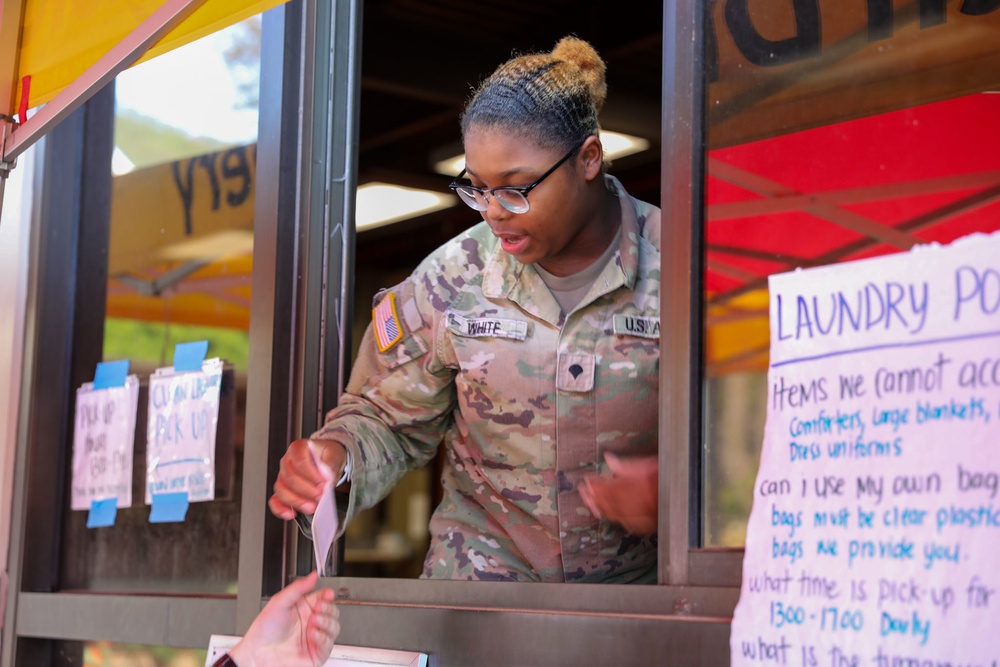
629,497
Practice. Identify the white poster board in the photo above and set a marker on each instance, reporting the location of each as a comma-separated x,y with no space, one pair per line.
103,443
180,431
874,536
341,656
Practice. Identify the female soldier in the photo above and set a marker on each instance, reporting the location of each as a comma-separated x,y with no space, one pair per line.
529,345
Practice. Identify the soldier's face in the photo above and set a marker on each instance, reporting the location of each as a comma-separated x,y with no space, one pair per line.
545,234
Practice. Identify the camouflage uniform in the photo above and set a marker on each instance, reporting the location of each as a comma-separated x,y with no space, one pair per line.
525,400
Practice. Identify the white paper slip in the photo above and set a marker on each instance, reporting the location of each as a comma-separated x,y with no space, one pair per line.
325,522
342,656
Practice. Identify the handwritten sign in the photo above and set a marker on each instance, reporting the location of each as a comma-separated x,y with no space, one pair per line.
103,439
875,526
180,431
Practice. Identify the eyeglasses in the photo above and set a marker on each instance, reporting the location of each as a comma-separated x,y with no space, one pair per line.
514,198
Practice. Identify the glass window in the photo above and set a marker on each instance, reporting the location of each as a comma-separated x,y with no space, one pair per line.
179,270
101,653
836,131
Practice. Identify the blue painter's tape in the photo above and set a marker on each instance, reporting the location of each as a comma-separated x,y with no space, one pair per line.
188,356
169,507
111,374
102,513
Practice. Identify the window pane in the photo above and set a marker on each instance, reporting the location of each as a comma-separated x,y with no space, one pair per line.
832,136
111,654
179,268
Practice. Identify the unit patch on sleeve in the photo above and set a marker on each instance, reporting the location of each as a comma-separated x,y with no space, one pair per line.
491,327
632,325
385,322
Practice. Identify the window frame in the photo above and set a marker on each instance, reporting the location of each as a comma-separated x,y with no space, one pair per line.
69,231
691,579
298,285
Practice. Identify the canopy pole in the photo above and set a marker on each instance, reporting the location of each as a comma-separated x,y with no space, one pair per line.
11,16
122,56
3,183
6,126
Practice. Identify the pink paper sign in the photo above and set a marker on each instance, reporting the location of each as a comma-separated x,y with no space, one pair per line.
180,431
103,442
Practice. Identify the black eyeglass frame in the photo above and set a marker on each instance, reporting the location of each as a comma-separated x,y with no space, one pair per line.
523,190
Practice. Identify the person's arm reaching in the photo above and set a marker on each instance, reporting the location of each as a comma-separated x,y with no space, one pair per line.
296,628
390,419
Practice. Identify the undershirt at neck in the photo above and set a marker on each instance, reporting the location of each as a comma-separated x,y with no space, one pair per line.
570,290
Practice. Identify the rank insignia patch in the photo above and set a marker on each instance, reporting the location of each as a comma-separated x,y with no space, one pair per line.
385,321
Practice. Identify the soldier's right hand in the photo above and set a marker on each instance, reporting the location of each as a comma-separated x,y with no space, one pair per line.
300,483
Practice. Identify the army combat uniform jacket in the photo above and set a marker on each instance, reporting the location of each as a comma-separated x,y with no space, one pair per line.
472,350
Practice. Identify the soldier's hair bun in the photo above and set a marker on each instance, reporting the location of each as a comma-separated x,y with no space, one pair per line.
592,69
554,97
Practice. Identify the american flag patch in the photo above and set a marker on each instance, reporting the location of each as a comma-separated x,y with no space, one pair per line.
386,323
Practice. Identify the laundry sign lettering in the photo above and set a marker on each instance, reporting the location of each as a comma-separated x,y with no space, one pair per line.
875,523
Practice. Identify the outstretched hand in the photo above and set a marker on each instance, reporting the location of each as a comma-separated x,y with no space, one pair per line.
300,482
296,628
629,497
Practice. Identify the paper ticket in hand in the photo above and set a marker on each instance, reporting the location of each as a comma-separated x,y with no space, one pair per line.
325,522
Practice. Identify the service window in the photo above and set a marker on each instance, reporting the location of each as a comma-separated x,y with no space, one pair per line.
410,138
145,232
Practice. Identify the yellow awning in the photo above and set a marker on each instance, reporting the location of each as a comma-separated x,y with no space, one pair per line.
182,240
196,209
60,40
737,334
217,294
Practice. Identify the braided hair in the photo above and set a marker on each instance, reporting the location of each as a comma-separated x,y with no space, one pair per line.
552,98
